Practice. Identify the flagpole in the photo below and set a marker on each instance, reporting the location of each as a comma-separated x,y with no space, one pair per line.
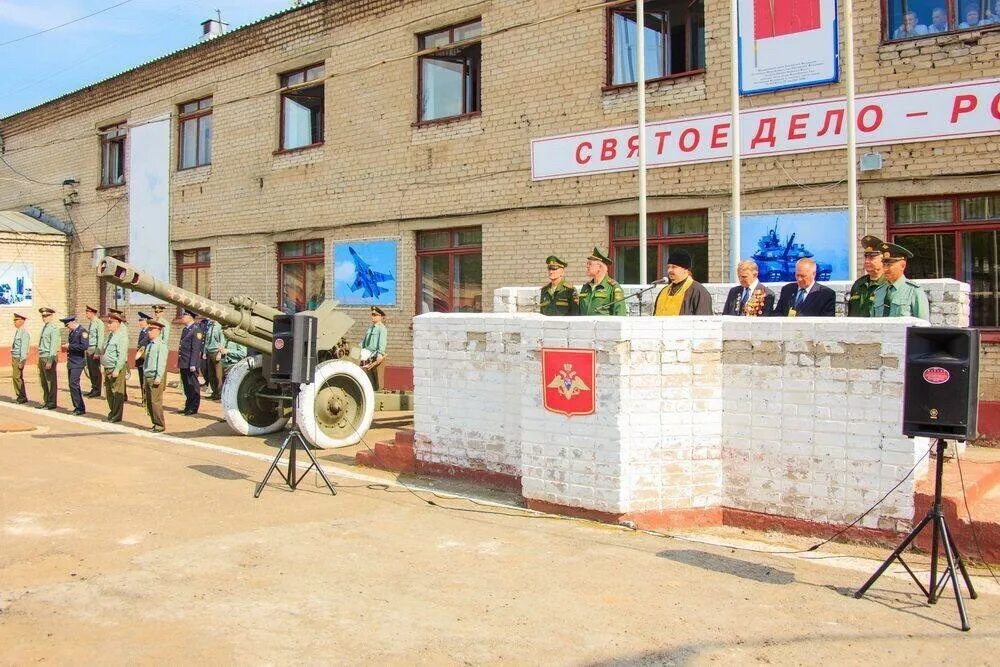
640,45
735,137
852,149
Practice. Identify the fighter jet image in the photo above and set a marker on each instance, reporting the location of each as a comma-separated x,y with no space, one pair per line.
366,278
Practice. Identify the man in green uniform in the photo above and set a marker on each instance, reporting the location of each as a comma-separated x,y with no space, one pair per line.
602,295
158,315
95,342
113,358
558,296
899,297
862,294
19,356
214,342
155,375
48,354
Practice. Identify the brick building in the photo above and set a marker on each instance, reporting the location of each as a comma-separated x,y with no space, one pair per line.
326,124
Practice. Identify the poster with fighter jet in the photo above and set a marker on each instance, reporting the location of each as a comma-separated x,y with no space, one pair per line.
364,272
787,44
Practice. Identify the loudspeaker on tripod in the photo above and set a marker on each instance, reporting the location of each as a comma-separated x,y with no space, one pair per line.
293,348
941,382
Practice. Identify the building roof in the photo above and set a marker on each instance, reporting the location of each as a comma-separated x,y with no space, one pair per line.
19,223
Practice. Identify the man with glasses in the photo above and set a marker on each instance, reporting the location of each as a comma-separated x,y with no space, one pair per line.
862,294
899,297
558,297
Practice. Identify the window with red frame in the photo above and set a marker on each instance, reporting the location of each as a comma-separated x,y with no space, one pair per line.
685,231
450,271
193,272
449,84
954,237
913,19
301,275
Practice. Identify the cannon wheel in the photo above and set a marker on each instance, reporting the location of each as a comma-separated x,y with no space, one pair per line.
336,409
245,412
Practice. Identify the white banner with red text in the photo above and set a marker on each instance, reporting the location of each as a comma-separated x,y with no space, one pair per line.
917,114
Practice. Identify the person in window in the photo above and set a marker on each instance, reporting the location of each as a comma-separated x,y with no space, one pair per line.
684,295
899,297
558,297
910,27
971,18
939,21
374,343
806,297
750,297
602,295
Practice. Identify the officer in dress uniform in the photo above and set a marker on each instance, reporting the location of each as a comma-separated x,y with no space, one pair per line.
95,343
204,324
76,360
155,375
158,315
861,298
602,295
140,352
48,356
113,359
375,341
123,332
899,297
19,356
214,342
558,297
189,351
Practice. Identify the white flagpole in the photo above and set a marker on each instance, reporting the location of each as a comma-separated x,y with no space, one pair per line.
735,136
640,45
852,150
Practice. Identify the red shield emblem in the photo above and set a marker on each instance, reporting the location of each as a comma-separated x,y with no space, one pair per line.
568,381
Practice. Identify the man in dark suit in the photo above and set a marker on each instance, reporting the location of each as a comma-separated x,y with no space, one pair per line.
750,297
189,351
806,297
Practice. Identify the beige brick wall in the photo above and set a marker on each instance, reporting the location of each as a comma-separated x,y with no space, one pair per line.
379,175
49,258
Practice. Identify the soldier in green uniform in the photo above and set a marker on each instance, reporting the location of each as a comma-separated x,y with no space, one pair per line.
158,311
558,297
899,297
602,295
113,358
862,294
154,372
48,354
95,342
19,356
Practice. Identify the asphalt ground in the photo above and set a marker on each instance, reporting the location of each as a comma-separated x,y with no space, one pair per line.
119,546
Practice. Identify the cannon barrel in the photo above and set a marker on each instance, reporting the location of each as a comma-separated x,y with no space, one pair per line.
250,323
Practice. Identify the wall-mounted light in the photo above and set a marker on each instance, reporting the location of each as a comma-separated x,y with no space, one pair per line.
870,162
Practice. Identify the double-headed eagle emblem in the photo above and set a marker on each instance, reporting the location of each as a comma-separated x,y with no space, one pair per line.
567,382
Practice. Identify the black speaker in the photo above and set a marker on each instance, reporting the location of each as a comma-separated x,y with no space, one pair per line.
941,382
293,348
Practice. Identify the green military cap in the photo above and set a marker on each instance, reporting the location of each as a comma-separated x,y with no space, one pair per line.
894,253
552,260
872,244
599,256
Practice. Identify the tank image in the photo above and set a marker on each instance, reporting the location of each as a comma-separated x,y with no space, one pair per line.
776,260
334,410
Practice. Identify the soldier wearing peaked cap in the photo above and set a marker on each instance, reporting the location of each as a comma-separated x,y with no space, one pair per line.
374,343
48,355
19,356
114,356
602,295
189,351
155,375
899,297
861,298
159,316
140,352
76,353
95,343
123,332
558,297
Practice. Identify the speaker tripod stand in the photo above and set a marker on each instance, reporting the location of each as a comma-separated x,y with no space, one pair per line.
940,535
292,442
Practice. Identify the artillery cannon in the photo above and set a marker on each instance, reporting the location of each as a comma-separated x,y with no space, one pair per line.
334,410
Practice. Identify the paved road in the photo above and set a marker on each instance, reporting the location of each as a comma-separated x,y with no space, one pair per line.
117,546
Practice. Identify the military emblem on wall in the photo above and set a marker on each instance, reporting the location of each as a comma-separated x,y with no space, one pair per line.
568,381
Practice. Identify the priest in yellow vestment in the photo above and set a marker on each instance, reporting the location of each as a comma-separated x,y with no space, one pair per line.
684,295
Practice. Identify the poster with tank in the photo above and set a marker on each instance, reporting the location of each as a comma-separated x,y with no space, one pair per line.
15,283
364,272
776,241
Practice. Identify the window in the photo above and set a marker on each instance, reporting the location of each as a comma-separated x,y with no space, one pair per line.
909,19
301,275
450,271
195,141
302,108
675,40
685,231
193,272
954,237
449,78
111,295
113,155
